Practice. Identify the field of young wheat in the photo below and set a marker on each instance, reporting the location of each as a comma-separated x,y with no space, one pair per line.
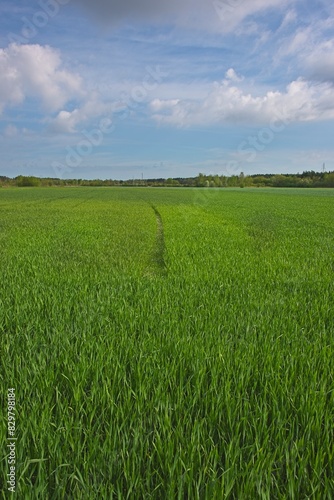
168,343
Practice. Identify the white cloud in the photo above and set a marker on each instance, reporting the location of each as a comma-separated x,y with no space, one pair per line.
36,71
231,75
159,105
226,103
68,121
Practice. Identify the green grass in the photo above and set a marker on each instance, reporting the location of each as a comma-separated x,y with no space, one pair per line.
169,343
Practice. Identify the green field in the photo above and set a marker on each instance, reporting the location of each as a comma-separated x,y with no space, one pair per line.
168,343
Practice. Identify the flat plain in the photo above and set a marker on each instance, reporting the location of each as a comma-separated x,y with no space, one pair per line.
169,343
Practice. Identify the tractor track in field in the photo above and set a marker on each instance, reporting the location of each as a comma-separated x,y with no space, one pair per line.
158,254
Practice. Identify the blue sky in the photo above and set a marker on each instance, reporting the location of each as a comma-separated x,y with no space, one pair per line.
121,88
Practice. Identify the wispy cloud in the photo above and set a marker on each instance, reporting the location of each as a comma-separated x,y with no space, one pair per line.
309,47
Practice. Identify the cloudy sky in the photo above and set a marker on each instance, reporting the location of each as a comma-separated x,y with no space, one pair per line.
124,88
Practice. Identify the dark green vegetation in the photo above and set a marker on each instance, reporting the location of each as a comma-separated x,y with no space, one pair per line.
169,343
304,180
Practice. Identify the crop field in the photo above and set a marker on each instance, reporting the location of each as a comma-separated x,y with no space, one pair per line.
168,343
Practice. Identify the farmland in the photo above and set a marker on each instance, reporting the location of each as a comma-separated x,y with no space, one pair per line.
169,343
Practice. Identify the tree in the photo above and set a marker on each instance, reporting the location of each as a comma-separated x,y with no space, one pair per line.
29,181
200,180
329,180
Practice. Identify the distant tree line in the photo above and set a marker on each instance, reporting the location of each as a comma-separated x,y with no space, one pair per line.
306,179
